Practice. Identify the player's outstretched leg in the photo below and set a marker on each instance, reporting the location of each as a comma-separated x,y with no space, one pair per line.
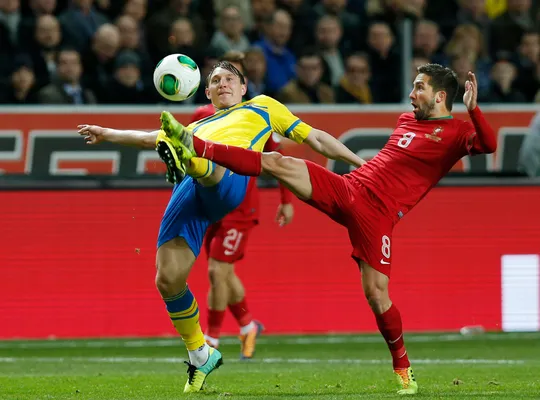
174,261
388,318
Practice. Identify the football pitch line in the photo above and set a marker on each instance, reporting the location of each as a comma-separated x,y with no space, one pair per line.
266,340
179,360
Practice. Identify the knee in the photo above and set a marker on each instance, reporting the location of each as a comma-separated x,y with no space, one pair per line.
170,278
377,298
277,163
217,273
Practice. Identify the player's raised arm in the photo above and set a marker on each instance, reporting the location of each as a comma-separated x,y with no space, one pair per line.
327,145
94,134
484,140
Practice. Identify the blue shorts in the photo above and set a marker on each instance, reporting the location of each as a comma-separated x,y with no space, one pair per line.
193,207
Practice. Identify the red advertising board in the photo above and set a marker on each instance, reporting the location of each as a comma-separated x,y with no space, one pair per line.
81,264
44,142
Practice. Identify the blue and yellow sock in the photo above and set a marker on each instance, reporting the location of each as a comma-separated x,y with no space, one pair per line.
199,168
184,313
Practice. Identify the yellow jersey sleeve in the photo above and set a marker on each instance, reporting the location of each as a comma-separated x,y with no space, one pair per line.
283,121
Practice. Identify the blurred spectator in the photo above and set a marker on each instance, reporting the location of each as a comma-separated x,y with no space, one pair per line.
130,39
67,88
10,16
280,60
354,86
503,75
263,11
182,40
27,26
48,38
255,66
349,22
443,13
136,9
385,63
80,22
462,64
126,85
328,35
528,60
307,88
230,33
98,61
494,8
529,154
304,18
210,57
159,27
467,41
393,11
474,12
21,88
427,41
507,29
416,62
243,6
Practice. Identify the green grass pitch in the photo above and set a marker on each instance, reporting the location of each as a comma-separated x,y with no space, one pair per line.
489,366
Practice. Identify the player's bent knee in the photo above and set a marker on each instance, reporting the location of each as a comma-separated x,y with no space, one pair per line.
173,262
279,165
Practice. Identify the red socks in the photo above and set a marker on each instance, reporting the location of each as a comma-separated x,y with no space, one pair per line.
241,312
241,161
215,321
390,326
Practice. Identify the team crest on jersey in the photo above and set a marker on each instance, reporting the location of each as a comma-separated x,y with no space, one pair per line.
435,134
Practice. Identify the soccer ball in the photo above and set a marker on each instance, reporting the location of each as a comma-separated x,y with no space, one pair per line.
177,77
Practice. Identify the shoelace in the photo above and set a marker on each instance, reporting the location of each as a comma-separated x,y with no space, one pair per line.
191,369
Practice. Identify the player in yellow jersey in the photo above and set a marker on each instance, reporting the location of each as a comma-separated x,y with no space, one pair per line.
210,192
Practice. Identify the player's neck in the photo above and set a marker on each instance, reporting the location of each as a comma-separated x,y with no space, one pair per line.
442,114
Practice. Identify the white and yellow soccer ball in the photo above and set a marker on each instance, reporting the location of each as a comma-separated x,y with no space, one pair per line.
177,77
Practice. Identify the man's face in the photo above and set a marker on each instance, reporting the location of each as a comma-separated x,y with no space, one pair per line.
225,88
309,70
422,97
48,33
69,67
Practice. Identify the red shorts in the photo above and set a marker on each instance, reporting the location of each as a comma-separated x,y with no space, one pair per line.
226,241
348,202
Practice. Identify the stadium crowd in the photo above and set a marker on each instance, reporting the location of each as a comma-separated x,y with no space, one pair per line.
299,51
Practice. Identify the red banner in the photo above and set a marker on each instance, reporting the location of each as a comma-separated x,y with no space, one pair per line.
45,143
81,264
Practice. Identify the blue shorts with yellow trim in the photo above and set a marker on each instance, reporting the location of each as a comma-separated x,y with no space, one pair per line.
193,207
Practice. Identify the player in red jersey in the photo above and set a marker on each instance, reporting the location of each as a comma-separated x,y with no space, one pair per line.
225,243
370,200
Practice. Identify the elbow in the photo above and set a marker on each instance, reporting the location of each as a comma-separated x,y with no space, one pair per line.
490,147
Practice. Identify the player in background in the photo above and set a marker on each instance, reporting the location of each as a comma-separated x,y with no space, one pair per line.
370,200
225,244
210,192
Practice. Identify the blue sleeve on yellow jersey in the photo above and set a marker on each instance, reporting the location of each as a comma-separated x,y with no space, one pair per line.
282,120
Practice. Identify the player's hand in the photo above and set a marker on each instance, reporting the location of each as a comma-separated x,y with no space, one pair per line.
471,92
285,214
93,134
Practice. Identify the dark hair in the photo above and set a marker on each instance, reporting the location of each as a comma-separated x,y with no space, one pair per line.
229,67
441,78
66,49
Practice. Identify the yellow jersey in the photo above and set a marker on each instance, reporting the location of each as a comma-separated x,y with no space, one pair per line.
248,125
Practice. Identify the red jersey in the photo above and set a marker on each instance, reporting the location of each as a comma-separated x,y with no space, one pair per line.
248,210
418,154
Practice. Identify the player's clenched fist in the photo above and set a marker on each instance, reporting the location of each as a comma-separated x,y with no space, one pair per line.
93,134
